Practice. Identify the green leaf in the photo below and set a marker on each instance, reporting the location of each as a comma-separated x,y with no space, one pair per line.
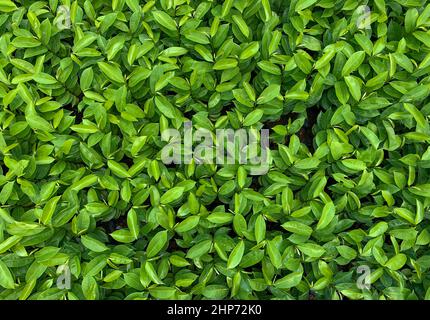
188,224
123,236
164,20
418,116
354,164
396,262
7,6
93,244
6,278
353,62
118,169
49,209
172,195
274,254
132,223
199,249
9,243
289,281
166,108
226,7
250,51
311,250
150,271
241,24
156,244
225,64
327,215
162,292
354,86
268,94
307,164
325,58
111,71
253,117
90,288
260,229
236,255
371,136
297,228
84,42
303,4
215,291
44,78
378,229
85,182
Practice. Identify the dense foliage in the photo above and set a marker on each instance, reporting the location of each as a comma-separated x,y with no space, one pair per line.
87,87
